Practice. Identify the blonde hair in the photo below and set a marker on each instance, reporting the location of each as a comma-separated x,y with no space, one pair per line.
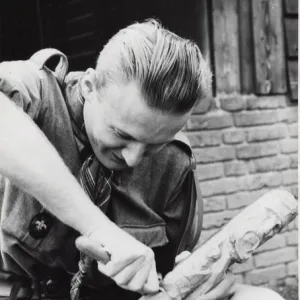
170,70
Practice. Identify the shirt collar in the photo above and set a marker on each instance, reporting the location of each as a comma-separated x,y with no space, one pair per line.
75,102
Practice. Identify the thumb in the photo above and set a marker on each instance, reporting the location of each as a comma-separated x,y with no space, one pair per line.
93,249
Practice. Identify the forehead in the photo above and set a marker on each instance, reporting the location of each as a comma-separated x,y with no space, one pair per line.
126,110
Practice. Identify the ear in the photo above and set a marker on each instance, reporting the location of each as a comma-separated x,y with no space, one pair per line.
88,83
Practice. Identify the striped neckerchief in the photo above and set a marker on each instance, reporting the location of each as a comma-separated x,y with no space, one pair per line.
94,178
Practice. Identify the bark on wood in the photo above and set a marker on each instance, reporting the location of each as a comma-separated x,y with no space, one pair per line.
226,48
270,64
236,242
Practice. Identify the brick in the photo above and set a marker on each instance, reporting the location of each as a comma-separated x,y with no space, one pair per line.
289,146
233,137
289,177
266,133
275,257
293,224
292,238
235,168
209,171
266,164
243,267
264,275
218,219
258,181
291,281
252,118
232,103
214,154
243,199
293,130
214,204
221,186
288,115
294,161
210,121
204,138
266,102
239,200
257,150
204,105
292,268
276,242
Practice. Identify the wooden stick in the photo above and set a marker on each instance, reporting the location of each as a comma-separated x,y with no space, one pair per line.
236,242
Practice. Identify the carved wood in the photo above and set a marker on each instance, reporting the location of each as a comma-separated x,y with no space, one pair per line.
236,242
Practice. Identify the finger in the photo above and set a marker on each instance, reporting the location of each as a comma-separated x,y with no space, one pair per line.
92,249
112,268
152,284
127,274
137,282
182,256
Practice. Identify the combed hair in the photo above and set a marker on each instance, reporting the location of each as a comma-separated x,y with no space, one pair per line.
170,70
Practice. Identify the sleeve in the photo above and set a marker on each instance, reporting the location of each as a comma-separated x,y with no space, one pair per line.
21,81
187,207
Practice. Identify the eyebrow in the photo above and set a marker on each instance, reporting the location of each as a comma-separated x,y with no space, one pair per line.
125,134
132,138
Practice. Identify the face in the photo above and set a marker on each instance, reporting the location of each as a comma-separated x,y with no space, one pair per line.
121,128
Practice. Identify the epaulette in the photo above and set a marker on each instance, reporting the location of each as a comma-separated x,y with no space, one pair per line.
183,142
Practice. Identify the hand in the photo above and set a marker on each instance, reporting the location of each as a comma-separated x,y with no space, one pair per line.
127,261
181,257
226,287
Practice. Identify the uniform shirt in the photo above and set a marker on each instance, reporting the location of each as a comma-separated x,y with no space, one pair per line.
150,209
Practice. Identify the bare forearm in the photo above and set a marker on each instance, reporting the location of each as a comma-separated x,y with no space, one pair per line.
29,160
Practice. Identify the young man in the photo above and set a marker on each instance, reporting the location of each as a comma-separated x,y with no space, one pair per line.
99,139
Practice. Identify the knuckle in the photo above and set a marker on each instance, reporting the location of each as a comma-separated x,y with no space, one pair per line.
119,281
135,287
149,253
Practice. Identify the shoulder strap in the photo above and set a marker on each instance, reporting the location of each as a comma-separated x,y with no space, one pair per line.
194,202
41,57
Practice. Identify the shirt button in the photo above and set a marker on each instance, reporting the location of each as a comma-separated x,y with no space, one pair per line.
40,225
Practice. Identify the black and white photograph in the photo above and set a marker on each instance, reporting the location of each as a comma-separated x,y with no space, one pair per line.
149,150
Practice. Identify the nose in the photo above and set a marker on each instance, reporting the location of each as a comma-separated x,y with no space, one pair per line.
133,153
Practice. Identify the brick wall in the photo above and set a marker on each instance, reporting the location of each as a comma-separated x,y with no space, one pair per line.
245,146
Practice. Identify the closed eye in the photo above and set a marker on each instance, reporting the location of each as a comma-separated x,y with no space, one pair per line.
123,135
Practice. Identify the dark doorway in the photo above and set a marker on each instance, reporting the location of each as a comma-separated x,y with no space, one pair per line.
80,28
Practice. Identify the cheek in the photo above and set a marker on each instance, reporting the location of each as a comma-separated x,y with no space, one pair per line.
105,140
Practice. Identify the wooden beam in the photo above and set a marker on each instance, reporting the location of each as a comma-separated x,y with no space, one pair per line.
246,46
291,6
270,64
236,242
293,78
203,31
291,31
226,46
